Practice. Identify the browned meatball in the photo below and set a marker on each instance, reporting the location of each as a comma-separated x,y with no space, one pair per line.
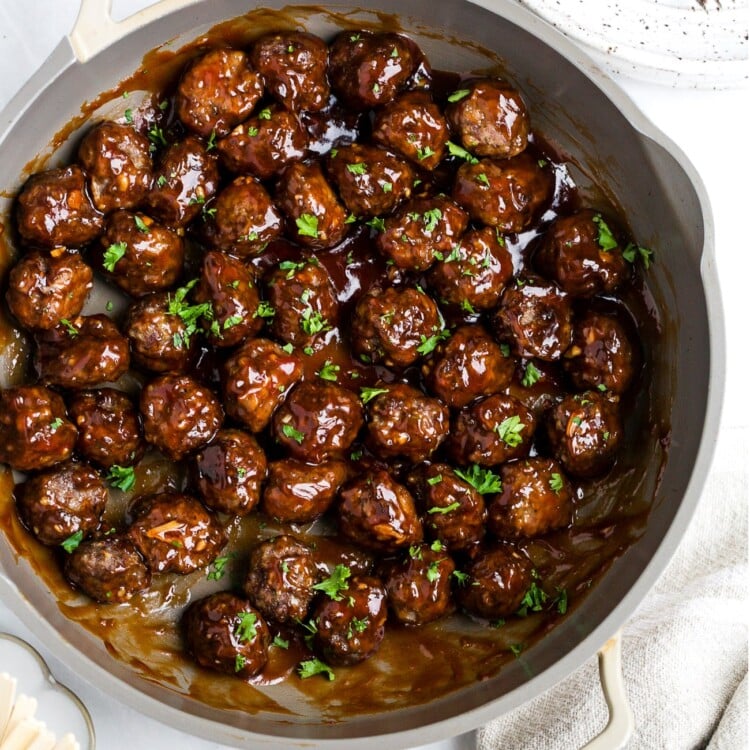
110,571
370,180
506,194
350,629
256,380
217,91
118,161
414,126
179,415
81,353
472,276
316,217
175,533
45,289
296,492
60,502
54,209
378,513
318,421
535,317
138,255
585,431
230,472
404,422
280,579
536,498
582,255
490,118
294,67
109,432
395,326
422,231
264,144
185,180
224,632
491,431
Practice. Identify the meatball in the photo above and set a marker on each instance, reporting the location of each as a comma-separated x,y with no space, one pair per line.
61,502
473,275
491,431
535,317
296,492
294,66
404,422
224,632
117,159
45,289
506,194
175,533
109,571
378,513
318,421
585,431
82,353
395,327
351,628
256,380
422,231
370,180
230,472
54,209
490,118
280,579
414,126
109,431
217,92
582,255
316,217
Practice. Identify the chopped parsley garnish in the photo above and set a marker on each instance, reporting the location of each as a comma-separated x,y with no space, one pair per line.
431,219
437,546
335,583
556,482
290,49
482,179
462,578
456,96
197,199
425,153
291,267
162,181
122,477
113,254
461,153
415,552
484,481
239,662
430,342
375,87
533,600
311,667
632,252
386,186
505,350
516,649
163,105
355,37
292,433
288,348
56,424
328,371
509,431
190,315
264,114
218,567
313,322
562,601
377,223
247,626
466,306
252,131
350,220
109,306
69,327
265,310
605,239
394,52
432,481
433,571
70,545
358,168
280,642
443,510
156,136
232,321
307,225
358,625
601,387
367,393
530,375
211,141
129,116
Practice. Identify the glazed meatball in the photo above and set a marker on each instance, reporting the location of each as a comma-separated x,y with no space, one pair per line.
82,353
60,502
256,380
536,498
315,216
117,159
585,431
280,579
217,92
378,513
582,255
296,492
175,533
179,415
109,432
54,209
535,318
370,180
413,126
45,289
294,67
318,421
109,571
230,471
404,422
395,327
491,431
224,632
422,231
35,432
506,194
490,119
475,272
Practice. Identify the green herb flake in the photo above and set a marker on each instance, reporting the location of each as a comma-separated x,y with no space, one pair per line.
386,186
516,649
55,425
360,624
313,322
141,225
431,219
307,225
232,321
433,571
533,600
70,545
351,219
505,350
461,153
562,601
367,393
69,327
252,131
394,53
530,375
288,348
466,306
162,181
264,114
377,223
459,94
356,455
211,141
309,351
484,481
122,477
601,388
113,254
509,431
218,567
462,578
265,310
541,163
355,37
632,252
432,481
292,433
415,552
556,482
335,583
482,179
156,136
359,168
311,667
239,662
605,238
129,116
429,343
446,509
290,49
329,371
247,626
375,88
280,642
425,153
190,315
